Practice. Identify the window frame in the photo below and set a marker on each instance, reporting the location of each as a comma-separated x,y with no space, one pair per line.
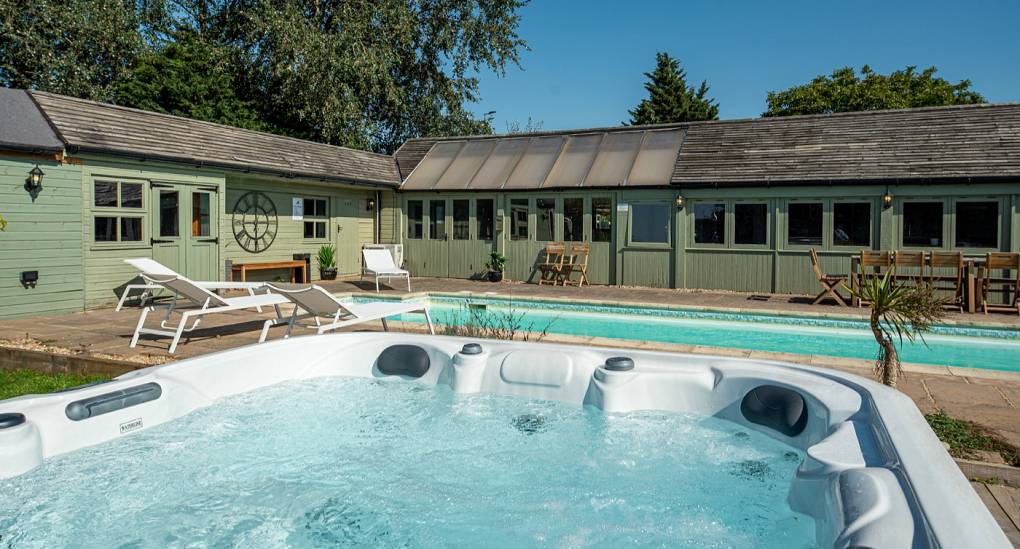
829,224
529,204
118,213
556,215
670,208
731,229
900,212
826,239
955,220
447,228
693,224
453,219
476,223
590,221
316,219
561,224
421,220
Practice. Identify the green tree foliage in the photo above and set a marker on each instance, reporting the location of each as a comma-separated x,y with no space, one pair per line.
188,77
74,47
670,99
845,91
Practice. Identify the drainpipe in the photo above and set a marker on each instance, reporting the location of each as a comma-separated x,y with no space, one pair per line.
378,217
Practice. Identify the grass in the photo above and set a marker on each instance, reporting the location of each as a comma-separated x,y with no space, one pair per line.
965,438
25,382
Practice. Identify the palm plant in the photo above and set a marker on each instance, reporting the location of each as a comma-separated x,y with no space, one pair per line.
898,312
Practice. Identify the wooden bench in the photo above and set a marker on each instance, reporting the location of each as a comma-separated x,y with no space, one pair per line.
243,268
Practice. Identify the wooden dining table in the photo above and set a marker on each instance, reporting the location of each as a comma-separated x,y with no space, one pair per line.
972,265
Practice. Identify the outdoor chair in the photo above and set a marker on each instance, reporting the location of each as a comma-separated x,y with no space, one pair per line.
550,269
318,304
207,302
379,264
829,282
577,262
877,261
909,266
153,267
945,272
1006,261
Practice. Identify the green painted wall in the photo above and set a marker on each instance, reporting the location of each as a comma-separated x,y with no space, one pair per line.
43,235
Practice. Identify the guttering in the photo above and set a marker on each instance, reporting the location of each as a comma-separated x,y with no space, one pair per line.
76,149
950,180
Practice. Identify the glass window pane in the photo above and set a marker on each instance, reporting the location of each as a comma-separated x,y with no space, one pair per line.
320,229
977,224
573,219
105,194
750,223
805,220
309,229
710,223
105,229
415,215
922,224
602,219
200,214
485,215
169,203
130,195
519,219
546,209
320,208
650,223
130,229
437,219
851,224
461,219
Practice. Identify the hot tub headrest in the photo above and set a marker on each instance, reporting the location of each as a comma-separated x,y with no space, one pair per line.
776,407
403,360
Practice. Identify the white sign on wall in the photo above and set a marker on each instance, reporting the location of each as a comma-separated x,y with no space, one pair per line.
297,208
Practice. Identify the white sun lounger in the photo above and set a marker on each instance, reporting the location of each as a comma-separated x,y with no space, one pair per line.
208,303
379,263
153,267
319,303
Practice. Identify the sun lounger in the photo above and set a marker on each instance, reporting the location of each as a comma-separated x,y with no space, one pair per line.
153,267
379,263
319,304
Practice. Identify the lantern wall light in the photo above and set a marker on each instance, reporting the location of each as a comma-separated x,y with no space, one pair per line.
34,181
679,202
886,199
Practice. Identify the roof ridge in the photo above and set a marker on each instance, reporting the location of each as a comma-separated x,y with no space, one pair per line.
33,93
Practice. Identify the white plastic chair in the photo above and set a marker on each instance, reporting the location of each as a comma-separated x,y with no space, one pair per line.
153,267
379,263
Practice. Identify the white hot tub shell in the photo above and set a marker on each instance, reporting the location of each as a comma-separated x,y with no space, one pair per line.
875,475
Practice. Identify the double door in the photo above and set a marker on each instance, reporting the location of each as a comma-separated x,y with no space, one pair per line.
185,229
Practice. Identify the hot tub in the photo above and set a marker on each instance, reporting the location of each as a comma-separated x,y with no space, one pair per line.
405,440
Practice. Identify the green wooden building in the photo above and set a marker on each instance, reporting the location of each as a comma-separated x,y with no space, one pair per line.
732,205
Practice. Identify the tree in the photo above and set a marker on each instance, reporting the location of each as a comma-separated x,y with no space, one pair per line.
188,77
670,99
844,91
74,47
898,311
531,126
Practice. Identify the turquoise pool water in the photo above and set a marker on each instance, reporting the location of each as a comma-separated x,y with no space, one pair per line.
985,348
342,462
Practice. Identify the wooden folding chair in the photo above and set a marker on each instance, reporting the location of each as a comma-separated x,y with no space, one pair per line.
549,270
909,266
829,282
577,262
946,267
1008,261
876,261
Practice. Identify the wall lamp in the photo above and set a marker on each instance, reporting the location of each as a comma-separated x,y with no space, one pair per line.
370,204
886,199
34,181
679,202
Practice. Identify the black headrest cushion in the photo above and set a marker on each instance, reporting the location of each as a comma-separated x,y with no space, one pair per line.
403,360
776,407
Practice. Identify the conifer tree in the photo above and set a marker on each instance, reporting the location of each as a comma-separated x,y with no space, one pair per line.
670,99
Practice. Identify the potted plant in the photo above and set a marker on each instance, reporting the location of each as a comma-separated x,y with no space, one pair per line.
496,264
327,262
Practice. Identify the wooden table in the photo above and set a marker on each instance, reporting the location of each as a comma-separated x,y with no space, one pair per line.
970,290
243,268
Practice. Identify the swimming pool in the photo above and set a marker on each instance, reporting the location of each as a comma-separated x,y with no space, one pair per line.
966,347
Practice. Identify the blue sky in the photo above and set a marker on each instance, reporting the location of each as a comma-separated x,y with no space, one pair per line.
587,57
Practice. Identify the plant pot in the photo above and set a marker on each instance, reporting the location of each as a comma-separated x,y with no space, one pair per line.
495,276
327,274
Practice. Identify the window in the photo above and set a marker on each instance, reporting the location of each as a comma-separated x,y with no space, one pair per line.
110,227
200,214
649,223
709,223
485,216
602,219
415,219
977,224
169,210
461,219
573,219
316,216
750,224
437,219
518,219
546,209
922,224
805,223
851,224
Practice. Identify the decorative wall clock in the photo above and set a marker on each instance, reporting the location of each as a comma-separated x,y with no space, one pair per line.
254,222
